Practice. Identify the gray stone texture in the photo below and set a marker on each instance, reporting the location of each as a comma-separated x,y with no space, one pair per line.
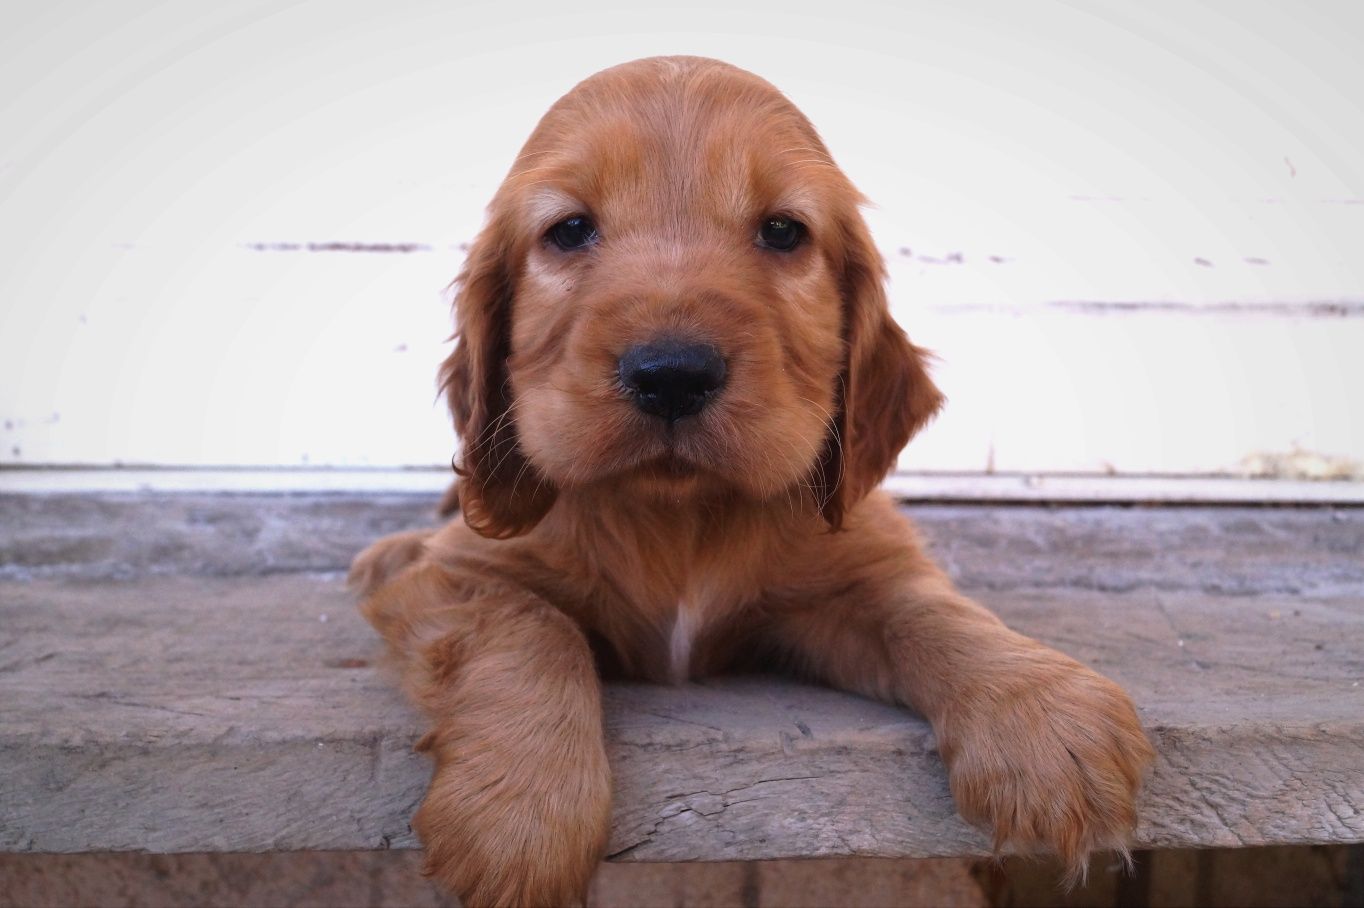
186,673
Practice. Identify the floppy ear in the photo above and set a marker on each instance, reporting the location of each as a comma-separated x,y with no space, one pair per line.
500,492
884,395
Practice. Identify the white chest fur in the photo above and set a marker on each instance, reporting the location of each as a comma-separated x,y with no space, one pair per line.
685,626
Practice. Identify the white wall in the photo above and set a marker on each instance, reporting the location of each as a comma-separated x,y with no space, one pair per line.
1133,232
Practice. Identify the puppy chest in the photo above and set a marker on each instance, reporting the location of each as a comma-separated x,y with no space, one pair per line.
686,627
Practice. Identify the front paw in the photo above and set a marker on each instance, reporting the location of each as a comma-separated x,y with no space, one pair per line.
503,827
1047,756
378,563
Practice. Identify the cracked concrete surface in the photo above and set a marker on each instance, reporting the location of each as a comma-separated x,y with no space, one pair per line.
185,673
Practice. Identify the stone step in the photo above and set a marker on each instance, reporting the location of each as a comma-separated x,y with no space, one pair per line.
186,673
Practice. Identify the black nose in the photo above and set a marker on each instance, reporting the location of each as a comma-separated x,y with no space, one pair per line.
672,379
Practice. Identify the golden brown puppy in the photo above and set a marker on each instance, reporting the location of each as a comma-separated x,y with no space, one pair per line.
678,384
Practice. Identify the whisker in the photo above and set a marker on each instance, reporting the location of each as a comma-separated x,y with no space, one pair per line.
525,465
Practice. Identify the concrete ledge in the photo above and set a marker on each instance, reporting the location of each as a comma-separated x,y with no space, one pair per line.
1031,488
186,673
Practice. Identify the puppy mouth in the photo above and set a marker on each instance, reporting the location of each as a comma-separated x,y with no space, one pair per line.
670,466
673,465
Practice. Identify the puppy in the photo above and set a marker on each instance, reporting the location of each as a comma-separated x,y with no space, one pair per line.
678,384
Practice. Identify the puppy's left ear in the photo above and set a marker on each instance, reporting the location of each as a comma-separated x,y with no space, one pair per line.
885,394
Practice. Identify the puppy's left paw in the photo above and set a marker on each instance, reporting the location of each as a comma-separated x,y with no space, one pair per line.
1048,757
373,567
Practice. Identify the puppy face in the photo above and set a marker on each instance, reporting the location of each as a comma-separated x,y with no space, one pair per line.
672,296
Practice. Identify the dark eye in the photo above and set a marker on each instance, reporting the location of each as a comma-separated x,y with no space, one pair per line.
781,233
573,233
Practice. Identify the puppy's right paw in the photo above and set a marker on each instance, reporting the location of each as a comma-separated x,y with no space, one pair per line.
501,829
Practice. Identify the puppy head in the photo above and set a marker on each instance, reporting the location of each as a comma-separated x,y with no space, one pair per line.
675,293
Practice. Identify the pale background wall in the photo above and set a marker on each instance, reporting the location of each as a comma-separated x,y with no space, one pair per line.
1133,232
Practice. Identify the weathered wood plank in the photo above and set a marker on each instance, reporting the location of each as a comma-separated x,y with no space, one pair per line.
193,714
1233,550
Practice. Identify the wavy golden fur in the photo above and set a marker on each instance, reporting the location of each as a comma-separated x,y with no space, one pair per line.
597,537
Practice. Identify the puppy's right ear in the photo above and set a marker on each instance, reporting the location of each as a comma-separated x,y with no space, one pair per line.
500,492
